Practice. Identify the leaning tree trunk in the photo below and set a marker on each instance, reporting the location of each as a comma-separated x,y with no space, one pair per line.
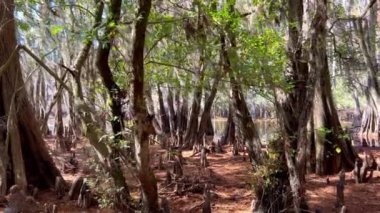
25,158
141,131
242,116
205,125
116,95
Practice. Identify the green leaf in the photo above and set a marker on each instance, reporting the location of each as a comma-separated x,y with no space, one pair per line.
24,26
55,29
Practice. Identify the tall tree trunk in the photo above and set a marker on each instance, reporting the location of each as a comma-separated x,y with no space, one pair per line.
172,112
229,130
149,99
242,116
192,125
333,150
206,121
59,129
24,154
182,117
141,131
370,118
294,107
115,95
165,123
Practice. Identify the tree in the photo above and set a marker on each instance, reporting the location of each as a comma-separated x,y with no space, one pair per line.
28,161
142,118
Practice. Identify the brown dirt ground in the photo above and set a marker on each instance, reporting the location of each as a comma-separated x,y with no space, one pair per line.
230,176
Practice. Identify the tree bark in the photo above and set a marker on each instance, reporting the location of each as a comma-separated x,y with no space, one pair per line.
333,149
172,112
370,119
294,106
192,125
115,93
59,129
141,132
24,151
165,123
241,115
229,131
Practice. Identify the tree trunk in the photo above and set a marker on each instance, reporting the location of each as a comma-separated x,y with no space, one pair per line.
229,131
59,129
141,131
165,124
182,118
172,112
205,125
242,116
192,125
333,149
114,91
370,118
24,153
294,106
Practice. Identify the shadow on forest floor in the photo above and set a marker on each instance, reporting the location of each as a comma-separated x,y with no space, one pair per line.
231,192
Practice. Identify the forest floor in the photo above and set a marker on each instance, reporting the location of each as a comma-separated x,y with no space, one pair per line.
231,191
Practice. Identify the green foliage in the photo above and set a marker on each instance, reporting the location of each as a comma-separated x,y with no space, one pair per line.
323,131
102,186
261,59
55,29
268,178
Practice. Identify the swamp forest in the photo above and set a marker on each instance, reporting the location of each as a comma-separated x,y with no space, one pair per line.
159,106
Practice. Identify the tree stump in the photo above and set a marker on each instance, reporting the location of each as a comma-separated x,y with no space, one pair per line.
160,163
163,203
19,202
177,169
204,162
50,208
357,169
206,207
219,148
32,191
378,163
340,191
75,188
168,179
60,187
85,197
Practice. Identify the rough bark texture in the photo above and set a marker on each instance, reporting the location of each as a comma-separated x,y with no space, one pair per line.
295,106
333,149
21,144
370,119
141,132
